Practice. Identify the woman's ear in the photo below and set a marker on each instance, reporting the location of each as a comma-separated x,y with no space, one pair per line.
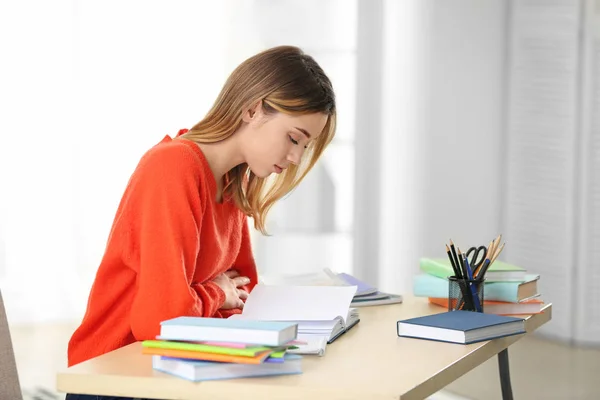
254,113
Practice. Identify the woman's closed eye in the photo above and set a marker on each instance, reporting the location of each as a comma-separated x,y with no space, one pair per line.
294,141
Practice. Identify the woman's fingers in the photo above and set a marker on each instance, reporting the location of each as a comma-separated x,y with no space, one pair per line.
240,281
242,294
232,273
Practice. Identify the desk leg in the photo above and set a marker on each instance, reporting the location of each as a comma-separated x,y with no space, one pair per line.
504,375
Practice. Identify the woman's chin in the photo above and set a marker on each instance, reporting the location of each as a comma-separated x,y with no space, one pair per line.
261,172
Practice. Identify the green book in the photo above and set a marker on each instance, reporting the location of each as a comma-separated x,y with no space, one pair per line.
498,272
204,348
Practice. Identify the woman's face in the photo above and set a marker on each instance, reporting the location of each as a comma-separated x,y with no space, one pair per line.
275,141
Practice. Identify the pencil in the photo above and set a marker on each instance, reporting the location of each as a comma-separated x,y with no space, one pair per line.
495,244
455,259
497,253
489,261
452,262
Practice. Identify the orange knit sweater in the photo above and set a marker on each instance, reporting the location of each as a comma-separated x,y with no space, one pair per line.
169,239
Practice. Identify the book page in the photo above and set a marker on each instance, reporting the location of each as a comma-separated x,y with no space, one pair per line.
298,303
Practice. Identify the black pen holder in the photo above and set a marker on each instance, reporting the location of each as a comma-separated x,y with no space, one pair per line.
465,294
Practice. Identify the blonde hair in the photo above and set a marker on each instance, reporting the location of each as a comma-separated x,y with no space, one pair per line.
285,80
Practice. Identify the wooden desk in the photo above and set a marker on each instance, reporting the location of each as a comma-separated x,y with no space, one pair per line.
368,362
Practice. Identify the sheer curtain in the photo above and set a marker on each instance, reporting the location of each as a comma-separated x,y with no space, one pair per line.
552,197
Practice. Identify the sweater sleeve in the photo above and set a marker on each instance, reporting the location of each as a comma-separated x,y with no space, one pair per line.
164,241
245,265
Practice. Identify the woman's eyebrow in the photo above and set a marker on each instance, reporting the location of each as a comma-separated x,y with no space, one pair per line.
303,131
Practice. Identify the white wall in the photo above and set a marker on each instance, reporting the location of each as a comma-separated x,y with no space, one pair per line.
464,124
442,129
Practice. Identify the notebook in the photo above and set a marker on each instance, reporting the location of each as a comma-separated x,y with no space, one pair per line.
363,288
323,313
376,299
247,351
367,295
463,327
208,371
197,329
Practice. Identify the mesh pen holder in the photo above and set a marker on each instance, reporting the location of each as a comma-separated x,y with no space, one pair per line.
465,294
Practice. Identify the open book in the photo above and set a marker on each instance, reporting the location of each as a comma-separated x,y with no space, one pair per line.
322,313
366,294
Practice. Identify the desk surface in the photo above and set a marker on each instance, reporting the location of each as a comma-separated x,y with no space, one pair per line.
368,362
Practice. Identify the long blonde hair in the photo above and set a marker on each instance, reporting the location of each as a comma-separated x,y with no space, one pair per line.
286,80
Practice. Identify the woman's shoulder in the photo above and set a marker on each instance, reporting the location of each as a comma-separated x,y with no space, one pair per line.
174,151
173,155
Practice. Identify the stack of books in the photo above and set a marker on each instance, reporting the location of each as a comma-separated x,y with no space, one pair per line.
367,295
508,289
200,349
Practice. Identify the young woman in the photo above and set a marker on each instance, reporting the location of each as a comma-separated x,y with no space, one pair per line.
180,244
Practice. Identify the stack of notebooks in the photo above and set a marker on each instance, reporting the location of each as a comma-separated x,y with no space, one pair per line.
201,349
322,313
367,295
508,289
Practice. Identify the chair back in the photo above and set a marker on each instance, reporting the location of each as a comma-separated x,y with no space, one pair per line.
10,388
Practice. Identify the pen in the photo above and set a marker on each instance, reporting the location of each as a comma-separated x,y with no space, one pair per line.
487,256
465,283
483,269
476,302
462,264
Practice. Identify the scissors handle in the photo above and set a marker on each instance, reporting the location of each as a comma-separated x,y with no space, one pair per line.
475,264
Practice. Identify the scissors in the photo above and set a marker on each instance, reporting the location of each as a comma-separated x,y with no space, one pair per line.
473,262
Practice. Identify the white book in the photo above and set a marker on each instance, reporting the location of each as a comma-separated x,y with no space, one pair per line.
195,370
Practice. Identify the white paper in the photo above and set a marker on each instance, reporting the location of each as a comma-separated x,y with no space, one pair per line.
315,345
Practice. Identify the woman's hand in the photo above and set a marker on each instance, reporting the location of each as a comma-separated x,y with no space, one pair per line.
229,282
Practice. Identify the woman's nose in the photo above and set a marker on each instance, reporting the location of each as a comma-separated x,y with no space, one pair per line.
295,155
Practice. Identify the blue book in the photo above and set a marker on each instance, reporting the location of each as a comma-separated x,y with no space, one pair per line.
197,329
461,327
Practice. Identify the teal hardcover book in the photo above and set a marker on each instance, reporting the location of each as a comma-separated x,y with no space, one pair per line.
425,285
197,329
